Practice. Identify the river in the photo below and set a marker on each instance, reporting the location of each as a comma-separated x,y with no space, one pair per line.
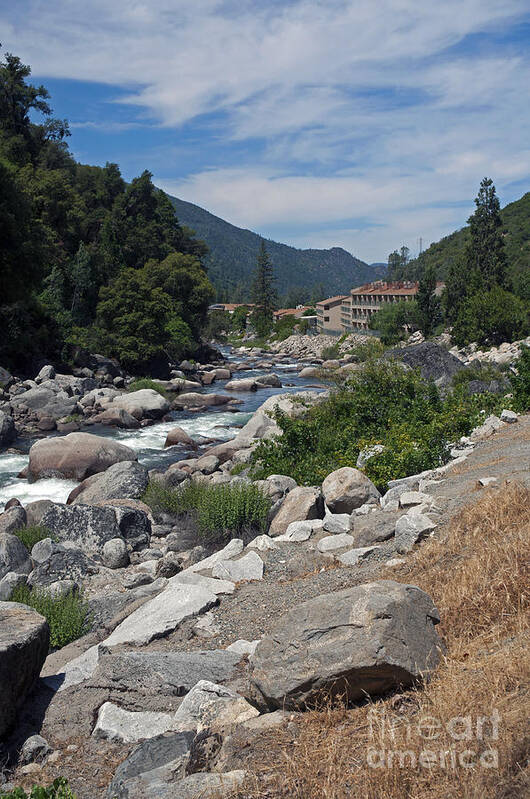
148,442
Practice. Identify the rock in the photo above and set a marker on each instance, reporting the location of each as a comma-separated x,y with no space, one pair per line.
115,554
354,556
487,481
8,431
76,456
212,706
208,464
231,550
331,542
169,565
36,510
170,674
410,498
508,416
115,724
75,671
367,453
8,583
14,557
143,404
116,417
337,523
242,647
373,529
222,374
410,528
179,436
46,373
162,615
262,543
44,549
34,749
195,400
12,520
12,503
86,526
163,756
271,380
24,642
330,364
216,586
245,384
99,398
487,428
346,489
358,642
258,426
249,567
310,371
282,483
300,531
300,504
65,563
124,480
434,361
293,405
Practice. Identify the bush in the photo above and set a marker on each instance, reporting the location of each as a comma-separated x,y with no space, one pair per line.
395,320
373,348
491,317
59,789
146,382
484,372
330,353
521,382
32,535
220,511
379,404
67,615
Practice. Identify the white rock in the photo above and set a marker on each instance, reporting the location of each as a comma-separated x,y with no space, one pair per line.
332,542
410,528
208,583
354,556
410,498
249,567
300,531
162,615
231,550
262,543
487,481
209,705
75,671
337,522
116,724
508,416
207,626
242,647
395,562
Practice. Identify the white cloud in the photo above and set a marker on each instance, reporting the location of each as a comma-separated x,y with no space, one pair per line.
360,112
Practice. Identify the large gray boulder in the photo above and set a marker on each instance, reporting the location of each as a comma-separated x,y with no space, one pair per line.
14,557
124,480
116,417
347,489
434,361
360,641
24,642
300,504
143,404
8,432
76,456
64,563
13,519
86,526
195,400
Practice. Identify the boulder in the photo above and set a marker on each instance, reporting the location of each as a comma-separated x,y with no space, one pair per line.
337,523
46,373
245,384
116,724
270,379
179,436
332,542
354,556
434,361
411,528
87,526
212,706
293,405
36,510
123,480
12,519
116,417
76,456
194,400
143,404
358,642
24,642
65,563
115,554
14,557
300,504
8,583
346,489
249,567
8,432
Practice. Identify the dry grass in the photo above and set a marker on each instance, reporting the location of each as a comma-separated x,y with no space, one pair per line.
478,576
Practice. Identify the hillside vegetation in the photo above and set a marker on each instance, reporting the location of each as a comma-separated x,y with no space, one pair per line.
233,252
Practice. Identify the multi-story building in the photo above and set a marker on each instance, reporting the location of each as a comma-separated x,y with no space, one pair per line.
364,301
329,315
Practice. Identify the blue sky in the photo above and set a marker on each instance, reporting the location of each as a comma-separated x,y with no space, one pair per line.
354,123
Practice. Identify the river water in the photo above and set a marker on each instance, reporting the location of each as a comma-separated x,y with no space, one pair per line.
148,442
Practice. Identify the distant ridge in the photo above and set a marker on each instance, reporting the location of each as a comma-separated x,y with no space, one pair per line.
233,253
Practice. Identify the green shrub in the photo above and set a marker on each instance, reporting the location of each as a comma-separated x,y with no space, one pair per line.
146,382
521,382
32,535
67,615
373,348
59,789
491,317
220,511
485,372
330,353
383,404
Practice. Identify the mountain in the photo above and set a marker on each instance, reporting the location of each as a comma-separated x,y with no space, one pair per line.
233,253
516,230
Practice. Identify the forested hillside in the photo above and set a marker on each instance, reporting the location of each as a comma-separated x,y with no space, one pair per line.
516,233
86,259
233,252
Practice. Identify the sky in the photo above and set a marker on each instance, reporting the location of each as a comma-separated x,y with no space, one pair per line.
365,124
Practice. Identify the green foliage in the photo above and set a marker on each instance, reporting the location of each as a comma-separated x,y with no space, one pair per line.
239,319
397,263
491,317
264,294
218,324
220,511
285,327
66,615
59,789
146,382
521,382
379,404
485,253
32,535
330,353
372,348
484,372
395,320
428,304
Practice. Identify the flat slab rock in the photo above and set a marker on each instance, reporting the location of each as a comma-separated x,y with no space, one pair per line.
360,641
249,567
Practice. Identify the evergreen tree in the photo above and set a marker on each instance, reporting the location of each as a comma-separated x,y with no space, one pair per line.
428,304
485,253
263,294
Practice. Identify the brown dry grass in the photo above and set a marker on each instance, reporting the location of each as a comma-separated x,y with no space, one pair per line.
477,574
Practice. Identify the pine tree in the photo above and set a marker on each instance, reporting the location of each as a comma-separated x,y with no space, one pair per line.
485,254
428,304
264,294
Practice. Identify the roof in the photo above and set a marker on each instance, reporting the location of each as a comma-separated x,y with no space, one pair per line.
338,298
380,287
